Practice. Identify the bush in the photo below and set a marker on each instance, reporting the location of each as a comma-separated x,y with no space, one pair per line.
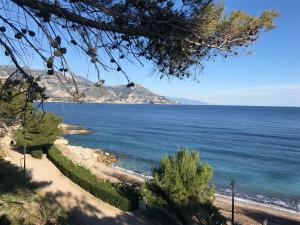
181,184
183,177
119,196
37,154
208,214
40,129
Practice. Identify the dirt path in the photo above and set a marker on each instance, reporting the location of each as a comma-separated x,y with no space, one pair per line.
82,206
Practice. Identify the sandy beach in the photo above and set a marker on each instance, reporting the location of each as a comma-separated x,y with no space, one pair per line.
247,213
255,213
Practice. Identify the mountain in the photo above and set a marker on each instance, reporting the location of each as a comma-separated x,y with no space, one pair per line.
107,94
185,101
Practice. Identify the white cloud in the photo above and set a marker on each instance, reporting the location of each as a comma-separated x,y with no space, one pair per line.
267,95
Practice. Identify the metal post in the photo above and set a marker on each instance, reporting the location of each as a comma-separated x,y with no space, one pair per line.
265,222
232,209
24,164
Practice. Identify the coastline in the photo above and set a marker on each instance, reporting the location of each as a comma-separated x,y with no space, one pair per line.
113,170
258,204
99,162
247,211
224,197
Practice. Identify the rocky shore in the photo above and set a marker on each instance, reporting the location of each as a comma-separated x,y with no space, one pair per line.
72,129
98,162
86,156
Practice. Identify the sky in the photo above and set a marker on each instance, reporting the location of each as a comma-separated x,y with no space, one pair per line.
270,76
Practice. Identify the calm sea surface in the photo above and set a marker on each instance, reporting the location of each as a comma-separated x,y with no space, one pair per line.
257,146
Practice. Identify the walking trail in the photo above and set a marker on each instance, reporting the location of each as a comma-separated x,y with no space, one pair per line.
81,205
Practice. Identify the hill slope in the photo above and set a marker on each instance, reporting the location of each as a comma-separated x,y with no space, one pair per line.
107,94
185,101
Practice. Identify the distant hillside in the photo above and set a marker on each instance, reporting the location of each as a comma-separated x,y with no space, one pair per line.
185,101
108,94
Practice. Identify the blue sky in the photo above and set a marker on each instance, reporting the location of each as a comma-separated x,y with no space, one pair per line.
269,76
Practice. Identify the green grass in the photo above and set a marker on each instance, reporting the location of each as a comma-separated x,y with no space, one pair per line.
118,195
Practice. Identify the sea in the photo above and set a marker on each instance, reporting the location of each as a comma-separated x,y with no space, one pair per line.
258,147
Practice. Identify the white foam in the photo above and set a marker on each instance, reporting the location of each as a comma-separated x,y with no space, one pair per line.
132,172
261,204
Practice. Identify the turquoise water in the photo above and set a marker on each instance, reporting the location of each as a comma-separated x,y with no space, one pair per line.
257,146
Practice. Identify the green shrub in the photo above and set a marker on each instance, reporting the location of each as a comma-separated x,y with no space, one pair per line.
181,184
39,130
183,177
117,195
209,214
37,154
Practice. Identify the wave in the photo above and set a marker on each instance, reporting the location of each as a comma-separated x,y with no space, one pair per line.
268,205
292,206
141,174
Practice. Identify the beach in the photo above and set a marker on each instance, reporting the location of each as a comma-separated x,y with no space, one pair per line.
248,213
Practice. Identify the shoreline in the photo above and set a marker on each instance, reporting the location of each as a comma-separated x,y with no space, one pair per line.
135,177
218,195
114,173
259,204
246,213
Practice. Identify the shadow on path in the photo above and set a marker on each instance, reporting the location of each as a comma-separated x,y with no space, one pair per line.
272,219
13,180
86,214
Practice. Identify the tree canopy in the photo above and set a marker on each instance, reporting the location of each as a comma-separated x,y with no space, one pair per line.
13,102
176,36
181,183
38,130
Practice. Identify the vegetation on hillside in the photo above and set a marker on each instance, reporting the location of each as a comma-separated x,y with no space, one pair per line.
38,129
181,186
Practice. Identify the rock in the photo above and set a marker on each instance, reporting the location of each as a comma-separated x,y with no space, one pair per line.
72,129
52,221
7,158
61,141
